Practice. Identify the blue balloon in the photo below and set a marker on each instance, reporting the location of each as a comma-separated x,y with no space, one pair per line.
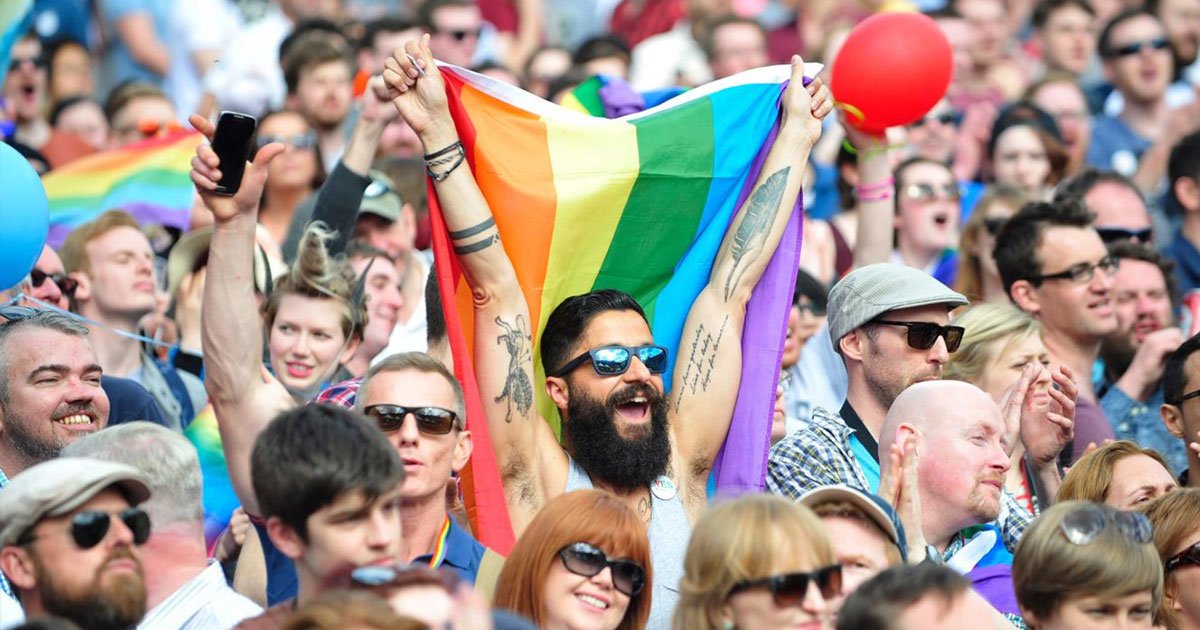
24,217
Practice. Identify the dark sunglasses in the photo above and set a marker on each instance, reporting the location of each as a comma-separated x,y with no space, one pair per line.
789,589
1191,555
1112,235
90,527
37,62
1186,397
1084,524
614,360
460,34
580,558
993,224
816,309
298,141
1133,48
1083,272
430,420
946,118
928,192
922,335
67,284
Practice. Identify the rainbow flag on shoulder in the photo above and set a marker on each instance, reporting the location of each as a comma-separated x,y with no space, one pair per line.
149,180
641,204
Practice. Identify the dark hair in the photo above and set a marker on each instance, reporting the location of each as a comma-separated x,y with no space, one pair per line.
313,27
358,248
1017,243
386,24
903,167
880,602
1026,113
569,319
811,288
947,12
1174,378
602,47
308,457
1184,162
1041,12
565,82
308,53
1080,184
67,103
429,7
51,49
1103,45
435,319
706,42
1127,249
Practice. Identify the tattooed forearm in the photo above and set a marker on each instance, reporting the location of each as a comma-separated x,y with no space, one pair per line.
698,368
751,234
473,230
518,390
480,245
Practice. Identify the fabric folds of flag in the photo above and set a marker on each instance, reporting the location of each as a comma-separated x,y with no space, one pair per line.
219,498
149,180
641,204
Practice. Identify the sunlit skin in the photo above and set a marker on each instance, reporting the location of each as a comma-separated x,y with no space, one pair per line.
575,602
127,123
306,341
1137,479
1126,612
86,120
859,547
1142,78
755,608
1020,160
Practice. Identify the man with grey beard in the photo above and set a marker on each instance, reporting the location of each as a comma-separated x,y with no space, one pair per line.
70,530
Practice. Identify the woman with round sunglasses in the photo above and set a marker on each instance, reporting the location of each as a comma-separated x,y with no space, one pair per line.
1176,519
758,562
1088,565
978,277
297,173
583,563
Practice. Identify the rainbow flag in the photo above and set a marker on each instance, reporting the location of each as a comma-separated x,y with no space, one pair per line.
639,204
219,498
612,97
149,180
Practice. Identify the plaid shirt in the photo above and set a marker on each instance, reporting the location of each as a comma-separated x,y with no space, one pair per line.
819,455
342,394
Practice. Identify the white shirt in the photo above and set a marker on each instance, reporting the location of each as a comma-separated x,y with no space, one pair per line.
205,602
247,78
11,614
669,59
196,25
411,336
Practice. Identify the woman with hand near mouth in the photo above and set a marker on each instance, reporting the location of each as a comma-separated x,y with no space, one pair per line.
583,563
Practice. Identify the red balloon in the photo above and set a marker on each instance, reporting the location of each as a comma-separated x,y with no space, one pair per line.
893,68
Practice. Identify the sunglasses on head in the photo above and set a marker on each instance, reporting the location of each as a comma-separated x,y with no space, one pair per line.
461,34
929,192
1133,48
298,141
789,589
37,62
65,283
586,560
1191,555
1084,524
90,527
922,335
945,118
614,360
1112,235
993,224
430,420
403,575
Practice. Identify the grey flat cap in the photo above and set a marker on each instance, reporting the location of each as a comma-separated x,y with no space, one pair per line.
58,486
871,291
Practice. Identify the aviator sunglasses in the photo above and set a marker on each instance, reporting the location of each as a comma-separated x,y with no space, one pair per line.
90,527
430,420
614,360
586,560
922,335
789,589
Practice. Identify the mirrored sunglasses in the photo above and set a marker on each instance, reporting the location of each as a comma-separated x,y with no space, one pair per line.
1084,524
614,360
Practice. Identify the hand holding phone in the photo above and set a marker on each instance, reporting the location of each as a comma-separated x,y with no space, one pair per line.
231,143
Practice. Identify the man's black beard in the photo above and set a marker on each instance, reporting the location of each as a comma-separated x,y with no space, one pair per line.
118,605
621,463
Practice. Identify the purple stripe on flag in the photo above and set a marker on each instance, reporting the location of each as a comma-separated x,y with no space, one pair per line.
144,213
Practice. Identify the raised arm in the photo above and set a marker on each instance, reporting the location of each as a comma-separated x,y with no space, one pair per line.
526,450
707,375
244,403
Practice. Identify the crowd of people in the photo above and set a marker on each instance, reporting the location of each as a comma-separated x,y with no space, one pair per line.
987,406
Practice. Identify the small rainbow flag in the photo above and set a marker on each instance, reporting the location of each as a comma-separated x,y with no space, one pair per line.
219,498
149,180
639,204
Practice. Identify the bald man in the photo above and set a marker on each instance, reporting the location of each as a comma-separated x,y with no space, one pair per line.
955,436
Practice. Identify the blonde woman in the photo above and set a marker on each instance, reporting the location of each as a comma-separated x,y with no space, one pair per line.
1176,519
760,561
978,278
1121,474
1088,565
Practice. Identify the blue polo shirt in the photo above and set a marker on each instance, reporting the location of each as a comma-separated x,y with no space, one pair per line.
463,554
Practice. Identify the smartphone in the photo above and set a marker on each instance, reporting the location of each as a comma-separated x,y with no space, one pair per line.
231,142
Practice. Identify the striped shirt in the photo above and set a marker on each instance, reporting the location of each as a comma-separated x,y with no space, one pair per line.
205,602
